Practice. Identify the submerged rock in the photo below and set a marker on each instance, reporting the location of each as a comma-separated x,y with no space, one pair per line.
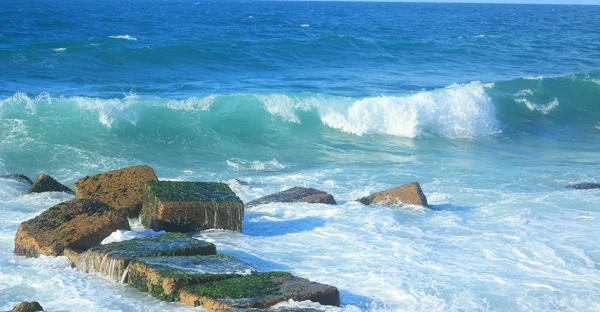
122,188
113,259
585,186
296,195
18,177
32,306
163,277
260,290
79,223
190,206
409,194
46,183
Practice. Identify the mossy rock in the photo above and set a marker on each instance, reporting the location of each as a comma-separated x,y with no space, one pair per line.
122,188
296,195
79,224
32,306
164,276
46,183
261,290
191,206
112,259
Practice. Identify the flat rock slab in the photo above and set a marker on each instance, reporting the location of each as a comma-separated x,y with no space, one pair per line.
21,178
122,188
46,183
190,206
112,259
260,290
585,186
164,276
407,194
296,195
79,223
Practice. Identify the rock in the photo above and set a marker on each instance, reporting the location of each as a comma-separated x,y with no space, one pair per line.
32,306
122,188
18,177
260,290
409,194
79,223
112,259
189,206
163,277
585,186
295,195
46,183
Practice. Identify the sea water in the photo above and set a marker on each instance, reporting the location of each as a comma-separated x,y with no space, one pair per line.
494,109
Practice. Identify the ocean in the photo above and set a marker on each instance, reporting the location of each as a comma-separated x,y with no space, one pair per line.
494,109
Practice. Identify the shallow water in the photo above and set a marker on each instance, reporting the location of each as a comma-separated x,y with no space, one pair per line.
494,109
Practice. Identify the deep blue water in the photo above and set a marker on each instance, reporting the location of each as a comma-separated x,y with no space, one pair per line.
493,108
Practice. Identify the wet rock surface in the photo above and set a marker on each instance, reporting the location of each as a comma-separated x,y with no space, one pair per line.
79,223
191,206
163,277
32,306
21,178
260,290
295,195
46,183
407,194
585,186
122,188
112,259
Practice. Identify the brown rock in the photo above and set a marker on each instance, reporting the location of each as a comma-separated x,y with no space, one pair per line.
112,259
78,224
46,183
260,290
295,195
190,206
121,189
18,177
32,306
409,194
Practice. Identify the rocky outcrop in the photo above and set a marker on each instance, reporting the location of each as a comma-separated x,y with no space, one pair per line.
78,224
111,260
18,177
260,290
189,206
296,195
121,189
585,186
163,277
46,183
407,194
32,306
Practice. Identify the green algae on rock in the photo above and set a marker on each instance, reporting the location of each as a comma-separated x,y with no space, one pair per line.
122,188
164,276
112,259
261,290
79,224
296,195
190,206
46,183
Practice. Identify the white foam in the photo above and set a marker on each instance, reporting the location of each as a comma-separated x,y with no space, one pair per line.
524,92
285,106
192,103
60,49
123,235
458,111
544,109
304,25
256,165
126,37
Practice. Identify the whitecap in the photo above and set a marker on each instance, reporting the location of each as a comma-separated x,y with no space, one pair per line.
544,109
60,49
304,25
192,103
126,37
256,165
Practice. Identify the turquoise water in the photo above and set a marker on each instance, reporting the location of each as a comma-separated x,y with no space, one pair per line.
494,109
